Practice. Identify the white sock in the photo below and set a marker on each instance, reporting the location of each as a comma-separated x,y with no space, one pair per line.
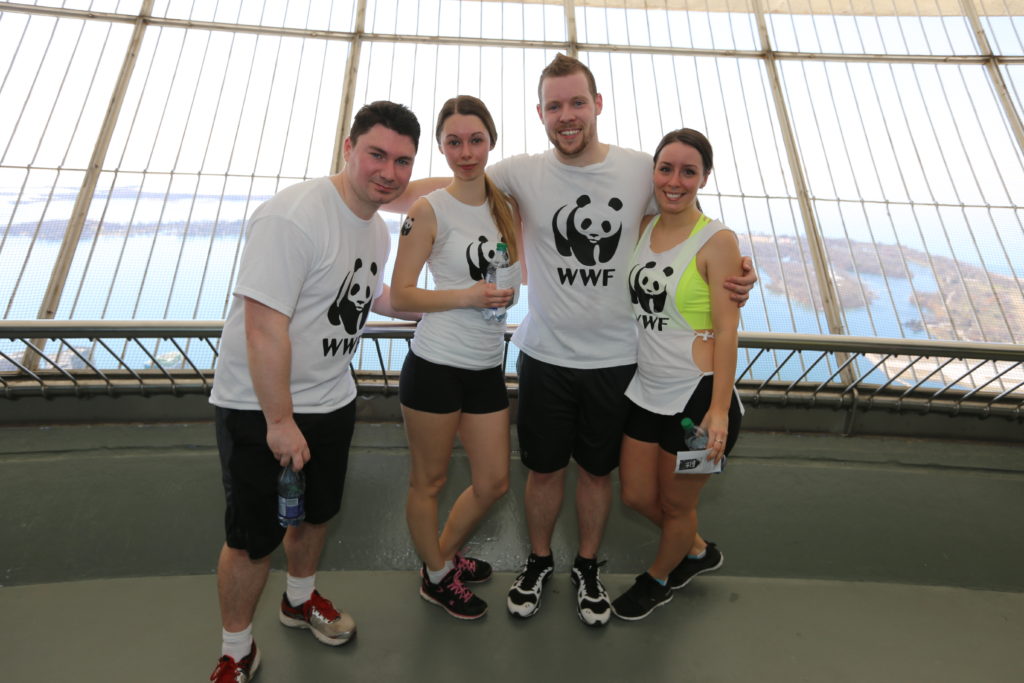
436,576
300,590
698,556
236,645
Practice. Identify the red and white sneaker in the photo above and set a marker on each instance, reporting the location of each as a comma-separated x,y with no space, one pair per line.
329,625
230,671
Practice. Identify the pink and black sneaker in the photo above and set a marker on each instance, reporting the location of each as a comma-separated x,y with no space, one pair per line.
472,569
452,595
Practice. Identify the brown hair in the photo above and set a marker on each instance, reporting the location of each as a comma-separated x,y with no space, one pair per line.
497,201
562,65
693,138
397,117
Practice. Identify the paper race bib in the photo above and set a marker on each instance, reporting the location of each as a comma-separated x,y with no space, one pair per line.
696,462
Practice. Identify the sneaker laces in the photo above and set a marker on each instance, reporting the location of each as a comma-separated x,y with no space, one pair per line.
465,564
226,672
459,588
530,575
590,580
323,607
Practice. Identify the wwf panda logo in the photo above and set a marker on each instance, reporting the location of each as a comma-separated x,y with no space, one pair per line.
352,305
648,286
588,232
478,256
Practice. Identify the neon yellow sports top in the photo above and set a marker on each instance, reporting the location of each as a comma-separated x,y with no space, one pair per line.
693,298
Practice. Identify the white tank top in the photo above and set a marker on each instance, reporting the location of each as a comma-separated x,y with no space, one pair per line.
666,374
464,245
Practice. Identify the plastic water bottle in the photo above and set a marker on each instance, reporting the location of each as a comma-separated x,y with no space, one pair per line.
291,497
498,313
695,438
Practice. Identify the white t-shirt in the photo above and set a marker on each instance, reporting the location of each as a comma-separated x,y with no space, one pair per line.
580,225
309,257
464,246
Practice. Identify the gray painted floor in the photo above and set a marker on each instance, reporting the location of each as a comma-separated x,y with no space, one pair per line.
720,628
859,559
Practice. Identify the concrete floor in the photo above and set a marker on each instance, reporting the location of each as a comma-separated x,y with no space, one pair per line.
857,559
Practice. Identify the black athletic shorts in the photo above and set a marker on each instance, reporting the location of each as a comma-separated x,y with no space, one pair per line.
249,472
666,430
435,388
569,412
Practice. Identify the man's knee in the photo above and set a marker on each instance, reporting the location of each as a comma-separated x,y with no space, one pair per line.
546,480
592,481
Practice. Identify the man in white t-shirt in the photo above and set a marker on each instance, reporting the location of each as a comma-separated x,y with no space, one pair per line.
582,202
310,273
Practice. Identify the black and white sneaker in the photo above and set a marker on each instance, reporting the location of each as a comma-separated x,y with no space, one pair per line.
690,567
524,595
592,603
642,598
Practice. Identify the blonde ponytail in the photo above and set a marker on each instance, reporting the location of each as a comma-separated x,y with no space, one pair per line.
504,218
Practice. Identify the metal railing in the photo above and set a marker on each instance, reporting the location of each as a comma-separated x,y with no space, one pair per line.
83,358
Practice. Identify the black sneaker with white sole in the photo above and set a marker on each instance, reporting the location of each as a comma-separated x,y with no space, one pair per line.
691,567
524,595
592,604
642,598
452,595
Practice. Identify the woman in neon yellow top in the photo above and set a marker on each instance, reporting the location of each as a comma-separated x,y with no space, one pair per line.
686,364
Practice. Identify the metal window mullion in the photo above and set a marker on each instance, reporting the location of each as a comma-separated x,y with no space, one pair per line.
23,368
570,28
827,288
347,98
992,64
62,266
857,380
87,362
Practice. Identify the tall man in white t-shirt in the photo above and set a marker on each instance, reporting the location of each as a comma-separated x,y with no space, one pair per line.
581,202
310,273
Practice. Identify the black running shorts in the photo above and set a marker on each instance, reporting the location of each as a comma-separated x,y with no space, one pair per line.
666,430
435,388
249,473
571,413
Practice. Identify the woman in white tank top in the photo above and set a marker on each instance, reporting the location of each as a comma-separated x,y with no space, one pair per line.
686,367
453,380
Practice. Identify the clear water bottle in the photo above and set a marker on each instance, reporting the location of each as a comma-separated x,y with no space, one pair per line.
500,261
696,439
291,497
